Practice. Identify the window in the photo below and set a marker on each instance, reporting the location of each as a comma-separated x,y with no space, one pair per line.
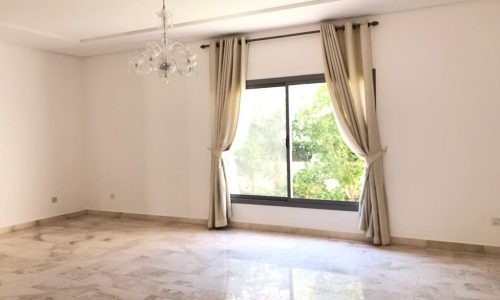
288,150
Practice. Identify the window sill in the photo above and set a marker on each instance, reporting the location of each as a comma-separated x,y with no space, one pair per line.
300,203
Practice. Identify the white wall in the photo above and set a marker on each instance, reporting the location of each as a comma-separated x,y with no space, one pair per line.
41,134
146,141
437,89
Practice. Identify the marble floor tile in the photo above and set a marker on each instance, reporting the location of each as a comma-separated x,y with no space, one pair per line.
98,257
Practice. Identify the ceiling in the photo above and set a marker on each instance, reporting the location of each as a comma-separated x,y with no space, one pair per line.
90,27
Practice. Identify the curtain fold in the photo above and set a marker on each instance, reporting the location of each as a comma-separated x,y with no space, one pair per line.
228,59
348,72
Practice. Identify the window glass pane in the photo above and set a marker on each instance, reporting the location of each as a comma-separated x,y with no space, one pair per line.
322,165
256,163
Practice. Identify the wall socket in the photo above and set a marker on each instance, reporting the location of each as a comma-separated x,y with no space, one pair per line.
54,199
495,221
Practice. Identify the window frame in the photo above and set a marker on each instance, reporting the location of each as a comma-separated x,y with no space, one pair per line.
289,201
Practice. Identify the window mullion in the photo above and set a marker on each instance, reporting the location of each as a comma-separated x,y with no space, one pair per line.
288,144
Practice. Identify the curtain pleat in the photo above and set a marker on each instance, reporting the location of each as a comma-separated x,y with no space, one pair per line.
227,80
348,72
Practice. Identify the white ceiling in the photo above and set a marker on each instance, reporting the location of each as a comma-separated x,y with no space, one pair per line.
89,27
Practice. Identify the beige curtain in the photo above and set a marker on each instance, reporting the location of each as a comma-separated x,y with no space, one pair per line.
348,72
228,60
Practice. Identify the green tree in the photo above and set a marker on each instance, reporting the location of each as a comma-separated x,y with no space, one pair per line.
331,170
261,162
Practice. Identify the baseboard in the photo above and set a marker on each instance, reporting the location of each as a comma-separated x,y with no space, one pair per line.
43,221
168,219
356,237
360,237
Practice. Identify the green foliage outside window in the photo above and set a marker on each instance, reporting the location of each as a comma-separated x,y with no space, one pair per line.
261,162
322,165
332,171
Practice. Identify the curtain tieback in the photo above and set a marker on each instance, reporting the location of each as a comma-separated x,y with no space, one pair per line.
375,156
215,152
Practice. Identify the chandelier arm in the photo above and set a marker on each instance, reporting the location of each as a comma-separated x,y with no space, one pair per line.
183,72
177,67
179,70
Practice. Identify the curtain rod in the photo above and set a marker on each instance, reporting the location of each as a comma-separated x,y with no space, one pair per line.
354,26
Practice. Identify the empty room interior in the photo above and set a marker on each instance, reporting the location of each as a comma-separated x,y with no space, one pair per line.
229,149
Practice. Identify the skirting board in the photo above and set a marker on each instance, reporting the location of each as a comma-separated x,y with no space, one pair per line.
358,237
168,219
43,221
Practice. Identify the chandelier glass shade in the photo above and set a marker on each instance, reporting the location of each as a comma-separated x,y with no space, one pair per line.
165,57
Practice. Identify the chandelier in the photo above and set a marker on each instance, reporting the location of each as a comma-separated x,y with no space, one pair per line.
165,57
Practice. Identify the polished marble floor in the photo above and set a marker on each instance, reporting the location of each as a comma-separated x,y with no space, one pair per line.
112,258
